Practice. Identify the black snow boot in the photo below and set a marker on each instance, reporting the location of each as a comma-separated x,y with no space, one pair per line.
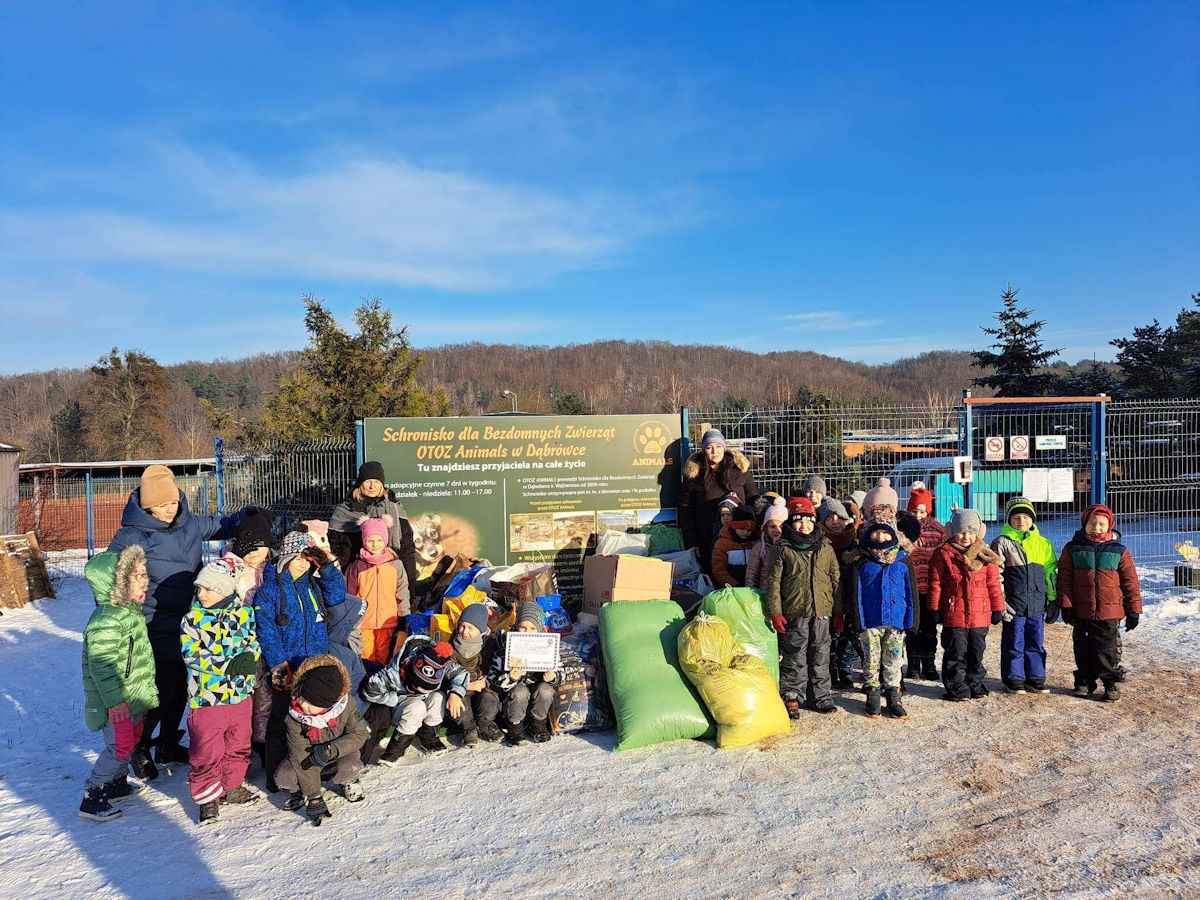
317,810
929,670
490,732
872,704
539,732
430,742
470,737
395,749
95,806
119,789
516,734
210,812
142,765
791,702
295,801
894,708
1112,693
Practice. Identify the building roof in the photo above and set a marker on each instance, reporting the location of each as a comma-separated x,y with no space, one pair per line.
119,464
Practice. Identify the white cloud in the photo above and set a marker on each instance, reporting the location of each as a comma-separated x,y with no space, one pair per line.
824,320
356,218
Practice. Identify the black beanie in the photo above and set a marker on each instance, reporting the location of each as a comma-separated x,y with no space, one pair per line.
321,686
370,470
253,533
909,526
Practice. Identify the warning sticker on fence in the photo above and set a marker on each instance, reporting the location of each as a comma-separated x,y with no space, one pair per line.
1018,446
1050,442
994,449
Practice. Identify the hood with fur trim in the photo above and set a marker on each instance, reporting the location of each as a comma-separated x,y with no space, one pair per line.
315,662
697,462
126,563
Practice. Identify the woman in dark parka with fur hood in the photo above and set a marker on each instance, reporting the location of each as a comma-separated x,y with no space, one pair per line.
711,473
370,499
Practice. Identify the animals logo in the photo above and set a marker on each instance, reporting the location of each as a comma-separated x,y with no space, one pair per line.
651,439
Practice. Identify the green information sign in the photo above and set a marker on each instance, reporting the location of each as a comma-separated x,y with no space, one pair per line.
527,488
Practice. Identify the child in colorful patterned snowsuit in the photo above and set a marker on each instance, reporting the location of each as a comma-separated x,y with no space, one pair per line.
1097,586
221,652
118,679
880,593
377,576
1029,578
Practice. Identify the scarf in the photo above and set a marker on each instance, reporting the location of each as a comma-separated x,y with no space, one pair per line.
801,541
468,650
1099,538
885,556
378,559
315,722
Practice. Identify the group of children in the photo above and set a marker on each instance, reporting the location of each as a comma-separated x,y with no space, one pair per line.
860,577
311,669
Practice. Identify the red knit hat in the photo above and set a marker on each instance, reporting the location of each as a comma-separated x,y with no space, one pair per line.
801,506
1098,509
919,496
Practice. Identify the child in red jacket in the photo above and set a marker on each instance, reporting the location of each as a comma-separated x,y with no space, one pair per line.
1097,587
966,597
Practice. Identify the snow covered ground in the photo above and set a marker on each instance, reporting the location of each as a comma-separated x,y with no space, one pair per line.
1012,796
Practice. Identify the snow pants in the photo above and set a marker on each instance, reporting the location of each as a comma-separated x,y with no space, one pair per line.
110,767
275,748
342,771
219,745
261,702
804,668
883,657
1022,653
419,709
479,707
1097,646
521,701
962,660
377,644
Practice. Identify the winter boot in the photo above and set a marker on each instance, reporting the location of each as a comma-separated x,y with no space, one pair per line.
979,692
209,812
1112,693
395,749
295,801
142,765
353,791
317,810
792,702
516,734
241,794
171,751
894,707
539,732
119,789
490,732
470,737
929,670
431,744
824,706
1084,688
1036,686
872,703
95,806
1013,687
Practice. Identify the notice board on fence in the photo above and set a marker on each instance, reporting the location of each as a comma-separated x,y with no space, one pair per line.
527,488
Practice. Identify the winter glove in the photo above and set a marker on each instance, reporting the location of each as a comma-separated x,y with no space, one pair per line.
281,677
1068,615
779,623
839,622
317,810
1051,613
997,616
127,735
1131,621
316,556
320,755
242,664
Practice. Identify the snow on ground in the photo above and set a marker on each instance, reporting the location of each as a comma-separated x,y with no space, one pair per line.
1013,796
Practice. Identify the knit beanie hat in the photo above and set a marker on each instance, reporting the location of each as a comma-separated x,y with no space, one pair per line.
743,517
476,614
377,527
814,483
294,543
221,575
253,534
531,612
907,525
427,667
800,508
370,471
869,541
1098,509
732,501
1019,504
964,520
857,497
832,508
919,496
712,436
157,487
881,493
776,512
321,686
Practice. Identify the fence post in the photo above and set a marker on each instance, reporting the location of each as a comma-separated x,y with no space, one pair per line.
1099,451
91,515
219,452
968,492
359,445
685,427
204,488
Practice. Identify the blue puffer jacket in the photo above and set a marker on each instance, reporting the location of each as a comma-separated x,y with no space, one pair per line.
884,595
341,623
173,558
290,614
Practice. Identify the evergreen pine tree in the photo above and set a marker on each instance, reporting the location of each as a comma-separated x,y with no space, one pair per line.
1017,355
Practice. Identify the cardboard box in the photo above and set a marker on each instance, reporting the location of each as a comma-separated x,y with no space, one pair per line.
624,577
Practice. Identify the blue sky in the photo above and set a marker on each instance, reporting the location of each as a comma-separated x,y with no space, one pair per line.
860,179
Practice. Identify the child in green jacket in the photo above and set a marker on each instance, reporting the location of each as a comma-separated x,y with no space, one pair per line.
118,679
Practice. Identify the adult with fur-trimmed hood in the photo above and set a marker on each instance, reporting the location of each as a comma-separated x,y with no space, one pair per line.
371,499
710,474
157,519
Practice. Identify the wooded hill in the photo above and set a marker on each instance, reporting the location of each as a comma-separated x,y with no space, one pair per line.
47,413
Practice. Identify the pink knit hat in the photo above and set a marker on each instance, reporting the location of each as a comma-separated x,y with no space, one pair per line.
377,527
776,512
881,493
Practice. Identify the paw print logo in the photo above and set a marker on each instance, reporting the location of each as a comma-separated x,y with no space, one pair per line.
651,439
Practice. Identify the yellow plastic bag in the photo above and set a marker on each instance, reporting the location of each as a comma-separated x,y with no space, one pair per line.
736,687
502,619
441,627
453,606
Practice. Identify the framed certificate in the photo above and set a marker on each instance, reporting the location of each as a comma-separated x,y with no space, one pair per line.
531,652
